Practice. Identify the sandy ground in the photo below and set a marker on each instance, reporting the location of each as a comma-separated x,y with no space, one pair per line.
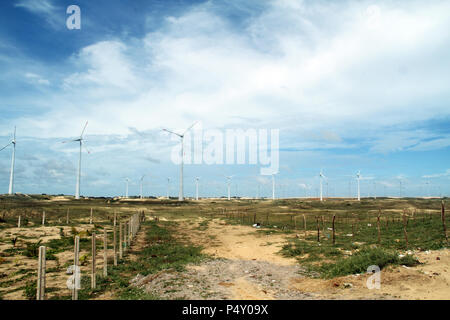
55,279
249,267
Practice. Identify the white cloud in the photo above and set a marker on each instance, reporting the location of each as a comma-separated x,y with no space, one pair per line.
45,8
438,175
342,71
34,78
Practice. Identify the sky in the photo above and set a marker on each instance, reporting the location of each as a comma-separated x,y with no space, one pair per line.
350,85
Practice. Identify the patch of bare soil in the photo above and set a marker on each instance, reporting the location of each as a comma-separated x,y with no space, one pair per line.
225,279
428,281
248,266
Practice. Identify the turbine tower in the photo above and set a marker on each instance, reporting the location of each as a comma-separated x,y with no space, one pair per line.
13,159
181,196
126,190
141,182
168,188
196,188
228,186
80,140
321,185
273,185
358,177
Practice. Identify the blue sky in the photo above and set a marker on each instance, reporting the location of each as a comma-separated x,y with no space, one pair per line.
351,85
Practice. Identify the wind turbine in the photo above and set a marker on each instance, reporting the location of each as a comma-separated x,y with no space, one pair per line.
196,188
168,188
273,185
181,196
13,159
375,190
228,185
141,182
80,140
321,186
358,177
126,190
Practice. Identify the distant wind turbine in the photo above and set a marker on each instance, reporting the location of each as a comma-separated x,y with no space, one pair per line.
321,185
168,188
13,159
196,188
126,190
80,140
273,185
141,182
181,196
229,186
358,177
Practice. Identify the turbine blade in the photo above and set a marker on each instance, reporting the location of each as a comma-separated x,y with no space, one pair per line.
172,132
5,146
82,132
86,149
190,127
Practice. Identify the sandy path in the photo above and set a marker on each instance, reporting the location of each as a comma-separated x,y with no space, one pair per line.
244,243
249,267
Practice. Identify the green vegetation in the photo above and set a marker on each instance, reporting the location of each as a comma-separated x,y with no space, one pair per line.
361,260
162,252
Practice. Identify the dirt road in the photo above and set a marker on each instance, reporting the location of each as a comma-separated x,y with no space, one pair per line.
248,266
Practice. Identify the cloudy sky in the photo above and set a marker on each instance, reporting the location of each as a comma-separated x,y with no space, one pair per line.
351,85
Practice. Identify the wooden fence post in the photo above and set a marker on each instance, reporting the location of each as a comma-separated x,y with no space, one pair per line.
67,216
18,223
90,220
404,229
334,230
43,217
318,229
129,233
120,240
93,265
115,240
105,253
378,227
353,232
76,262
304,224
443,220
40,294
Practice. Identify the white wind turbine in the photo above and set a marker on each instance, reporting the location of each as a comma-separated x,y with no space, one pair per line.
229,186
196,188
13,159
80,140
321,184
358,177
127,180
168,188
273,185
181,196
141,182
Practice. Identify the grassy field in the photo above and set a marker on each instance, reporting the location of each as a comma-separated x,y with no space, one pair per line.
379,232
